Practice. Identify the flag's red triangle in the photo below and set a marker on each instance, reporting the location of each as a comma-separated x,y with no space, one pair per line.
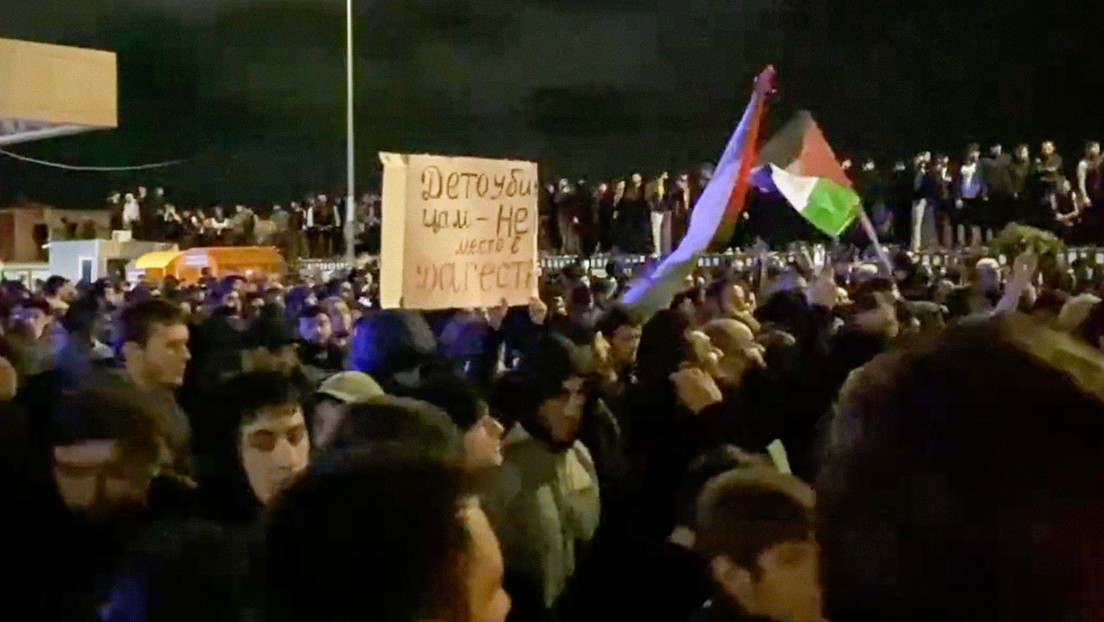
800,148
817,159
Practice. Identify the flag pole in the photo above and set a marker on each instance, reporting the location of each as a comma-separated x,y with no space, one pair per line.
350,202
868,227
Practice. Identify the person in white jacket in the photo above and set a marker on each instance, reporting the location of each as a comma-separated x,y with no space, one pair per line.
132,213
554,503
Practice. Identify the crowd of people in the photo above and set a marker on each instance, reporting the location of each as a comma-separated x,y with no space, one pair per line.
789,441
310,228
930,203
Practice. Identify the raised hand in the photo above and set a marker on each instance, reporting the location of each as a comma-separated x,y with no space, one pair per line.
538,311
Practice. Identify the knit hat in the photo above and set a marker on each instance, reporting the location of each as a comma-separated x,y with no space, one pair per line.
351,387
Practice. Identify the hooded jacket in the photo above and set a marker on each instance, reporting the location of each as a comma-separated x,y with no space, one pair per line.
555,509
555,502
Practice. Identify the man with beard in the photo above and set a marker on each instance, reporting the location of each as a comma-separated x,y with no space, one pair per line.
318,352
556,507
75,499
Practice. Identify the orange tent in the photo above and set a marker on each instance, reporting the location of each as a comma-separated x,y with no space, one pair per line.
220,261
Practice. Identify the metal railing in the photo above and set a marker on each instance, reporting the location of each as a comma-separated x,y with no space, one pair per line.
738,259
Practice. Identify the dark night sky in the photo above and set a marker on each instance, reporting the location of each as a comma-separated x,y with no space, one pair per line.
253,90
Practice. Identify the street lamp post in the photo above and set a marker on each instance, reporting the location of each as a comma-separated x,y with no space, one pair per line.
350,202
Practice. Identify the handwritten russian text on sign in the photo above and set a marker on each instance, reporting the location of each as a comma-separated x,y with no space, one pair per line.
457,232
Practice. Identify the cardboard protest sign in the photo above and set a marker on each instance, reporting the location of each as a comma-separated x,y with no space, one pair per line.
457,232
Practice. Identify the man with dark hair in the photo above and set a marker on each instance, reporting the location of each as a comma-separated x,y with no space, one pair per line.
81,351
870,325
154,343
755,531
272,439
668,583
81,492
154,346
556,508
927,507
482,433
621,329
421,548
28,338
317,348
59,292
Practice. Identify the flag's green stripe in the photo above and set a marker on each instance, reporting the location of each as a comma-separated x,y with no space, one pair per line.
831,207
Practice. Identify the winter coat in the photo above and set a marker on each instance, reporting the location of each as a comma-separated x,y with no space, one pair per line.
555,509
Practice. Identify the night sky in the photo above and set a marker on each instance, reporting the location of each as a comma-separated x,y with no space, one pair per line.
253,93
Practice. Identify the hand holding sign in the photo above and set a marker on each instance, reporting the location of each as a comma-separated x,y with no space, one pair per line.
497,315
538,311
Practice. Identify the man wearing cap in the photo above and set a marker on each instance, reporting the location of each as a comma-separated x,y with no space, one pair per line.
333,401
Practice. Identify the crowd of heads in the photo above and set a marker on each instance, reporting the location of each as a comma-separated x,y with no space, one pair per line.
970,195
311,227
787,439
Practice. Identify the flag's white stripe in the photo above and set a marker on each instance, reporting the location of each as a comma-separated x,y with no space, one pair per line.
796,188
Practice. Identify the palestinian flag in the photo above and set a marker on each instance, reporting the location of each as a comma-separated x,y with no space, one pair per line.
799,164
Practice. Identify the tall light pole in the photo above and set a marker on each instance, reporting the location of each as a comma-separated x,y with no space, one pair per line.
350,202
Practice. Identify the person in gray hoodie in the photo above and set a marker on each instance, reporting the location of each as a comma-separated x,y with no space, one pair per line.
554,508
